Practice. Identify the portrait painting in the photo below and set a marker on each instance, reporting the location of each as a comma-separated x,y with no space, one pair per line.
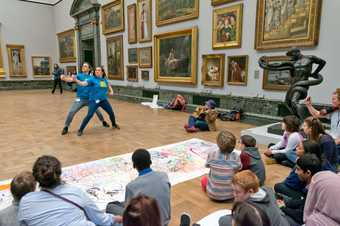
133,56
132,20
237,70
71,70
213,70
132,73
67,46
2,71
174,11
220,2
145,75
113,17
176,56
145,57
115,63
41,66
16,60
227,27
276,80
144,20
287,23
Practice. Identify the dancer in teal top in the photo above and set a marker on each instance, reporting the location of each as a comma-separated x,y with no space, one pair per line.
99,88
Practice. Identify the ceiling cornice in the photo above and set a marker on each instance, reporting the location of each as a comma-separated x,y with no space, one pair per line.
42,3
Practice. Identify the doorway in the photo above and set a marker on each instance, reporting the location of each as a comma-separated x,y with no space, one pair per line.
88,51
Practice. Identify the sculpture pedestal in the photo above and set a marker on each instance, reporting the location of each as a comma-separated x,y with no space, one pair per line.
262,135
275,129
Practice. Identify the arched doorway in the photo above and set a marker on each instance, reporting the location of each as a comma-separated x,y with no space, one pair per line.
86,13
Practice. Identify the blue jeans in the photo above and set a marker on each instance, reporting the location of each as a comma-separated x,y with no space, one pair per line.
201,124
76,106
93,107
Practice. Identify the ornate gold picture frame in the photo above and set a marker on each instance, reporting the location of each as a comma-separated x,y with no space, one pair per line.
174,11
238,70
16,60
132,23
41,66
213,70
295,24
145,57
2,71
144,20
220,2
227,27
176,56
113,17
67,46
115,57
276,80
132,73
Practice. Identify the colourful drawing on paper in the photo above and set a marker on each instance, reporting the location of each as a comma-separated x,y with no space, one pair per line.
105,180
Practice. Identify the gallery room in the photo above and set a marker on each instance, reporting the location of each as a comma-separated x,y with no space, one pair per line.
169,112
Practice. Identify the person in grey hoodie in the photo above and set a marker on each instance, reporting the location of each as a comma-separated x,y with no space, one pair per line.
251,157
247,189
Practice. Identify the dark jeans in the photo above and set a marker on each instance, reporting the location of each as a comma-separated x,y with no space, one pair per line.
283,189
55,83
201,124
338,148
93,106
280,157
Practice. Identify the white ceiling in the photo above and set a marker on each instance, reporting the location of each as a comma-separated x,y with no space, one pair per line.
44,1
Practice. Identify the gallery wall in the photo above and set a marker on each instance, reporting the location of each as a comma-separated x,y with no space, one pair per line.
31,25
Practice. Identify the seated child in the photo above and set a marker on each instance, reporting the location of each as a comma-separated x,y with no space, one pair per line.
198,120
22,184
251,157
223,164
178,103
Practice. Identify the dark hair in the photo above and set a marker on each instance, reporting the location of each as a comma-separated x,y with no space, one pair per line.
316,126
22,184
292,123
47,171
103,71
248,141
312,147
141,159
142,211
245,214
309,162
226,141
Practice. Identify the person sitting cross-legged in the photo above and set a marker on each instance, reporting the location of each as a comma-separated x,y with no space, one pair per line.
150,183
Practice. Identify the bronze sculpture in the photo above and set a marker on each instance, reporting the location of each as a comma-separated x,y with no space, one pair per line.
301,69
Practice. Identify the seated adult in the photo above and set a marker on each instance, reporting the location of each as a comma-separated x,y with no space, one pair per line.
284,152
150,183
178,103
57,203
203,118
293,187
22,184
323,200
247,188
333,114
315,131
142,211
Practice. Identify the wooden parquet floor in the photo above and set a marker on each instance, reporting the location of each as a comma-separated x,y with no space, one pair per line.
31,122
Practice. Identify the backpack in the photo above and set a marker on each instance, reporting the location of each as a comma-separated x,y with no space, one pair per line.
233,115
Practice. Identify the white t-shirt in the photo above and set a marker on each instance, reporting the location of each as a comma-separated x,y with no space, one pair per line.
335,124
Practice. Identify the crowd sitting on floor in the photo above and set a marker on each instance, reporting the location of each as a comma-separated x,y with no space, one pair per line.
307,196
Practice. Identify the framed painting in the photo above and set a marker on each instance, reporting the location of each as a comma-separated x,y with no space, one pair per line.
276,80
227,27
132,22
285,24
174,11
16,60
71,70
133,56
220,2
67,46
113,17
144,20
41,66
2,71
145,75
145,57
238,70
132,73
115,57
213,70
176,56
